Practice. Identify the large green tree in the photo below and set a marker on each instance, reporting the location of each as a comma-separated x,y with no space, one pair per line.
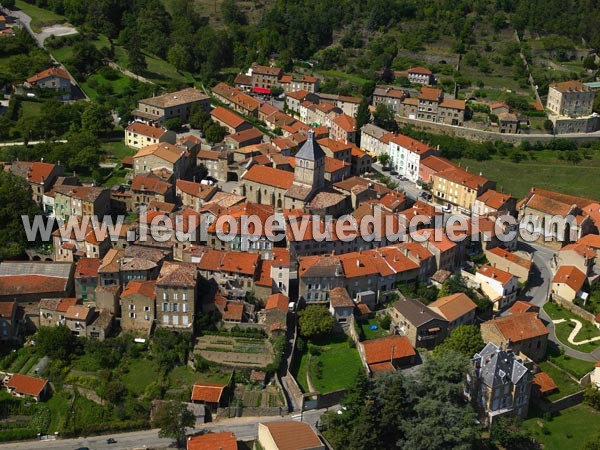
315,321
173,418
15,201
464,339
96,119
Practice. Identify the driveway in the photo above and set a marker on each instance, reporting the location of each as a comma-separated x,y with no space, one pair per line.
538,291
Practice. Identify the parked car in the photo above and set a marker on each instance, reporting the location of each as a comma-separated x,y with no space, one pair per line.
111,441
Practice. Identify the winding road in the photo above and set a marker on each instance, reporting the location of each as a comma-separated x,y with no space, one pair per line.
538,292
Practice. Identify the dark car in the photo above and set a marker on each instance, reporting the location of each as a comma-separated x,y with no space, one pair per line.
111,441
83,448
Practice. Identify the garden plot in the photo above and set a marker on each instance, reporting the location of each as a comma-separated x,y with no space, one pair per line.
235,351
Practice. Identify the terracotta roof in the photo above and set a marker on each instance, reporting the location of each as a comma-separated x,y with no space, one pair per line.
150,184
146,130
494,199
171,99
266,70
420,71
570,86
519,327
544,382
512,257
162,150
33,172
246,135
199,190
227,117
224,440
460,176
571,276
346,123
380,350
243,79
493,272
233,311
87,267
453,104
410,144
210,393
177,274
430,94
498,105
591,240
145,288
233,95
453,306
233,262
383,367
411,101
78,312
281,179
51,72
7,309
85,193
24,384
31,284
277,301
520,307
340,298
298,95
291,435
553,202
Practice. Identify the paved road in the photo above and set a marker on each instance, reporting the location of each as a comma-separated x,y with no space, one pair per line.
12,144
245,428
410,189
539,290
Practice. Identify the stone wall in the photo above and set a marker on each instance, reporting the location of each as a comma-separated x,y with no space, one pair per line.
233,411
482,135
563,403
577,310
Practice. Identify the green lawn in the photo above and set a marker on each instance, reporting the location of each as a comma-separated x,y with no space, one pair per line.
565,383
372,334
563,330
570,429
141,373
97,85
30,109
117,150
186,376
39,17
339,366
157,70
545,173
64,53
59,407
576,367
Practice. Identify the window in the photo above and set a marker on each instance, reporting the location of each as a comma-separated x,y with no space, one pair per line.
174,295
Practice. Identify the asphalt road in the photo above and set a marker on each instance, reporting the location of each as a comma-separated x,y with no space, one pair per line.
245,429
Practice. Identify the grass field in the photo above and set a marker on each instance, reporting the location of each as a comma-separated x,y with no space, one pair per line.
576,367
565,383
372,334
157,70
39,17
186,376
570,429
141,373
339,366
546,172
117,150
563,330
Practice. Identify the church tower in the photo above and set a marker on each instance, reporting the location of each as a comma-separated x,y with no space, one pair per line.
310,164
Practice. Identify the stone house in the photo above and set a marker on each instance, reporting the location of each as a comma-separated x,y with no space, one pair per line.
162,156
500,286
159,109
422,326
457,309
138,306
140,134
569,283
177,296
40,176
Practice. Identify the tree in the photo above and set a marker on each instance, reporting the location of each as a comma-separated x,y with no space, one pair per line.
384,117
178,55
137,60
15,200
213,132
96,119
173,418
115,391
173,123
592,397
508,432
55,342
464,339
384,159
363,115
548,125
198,118
315,321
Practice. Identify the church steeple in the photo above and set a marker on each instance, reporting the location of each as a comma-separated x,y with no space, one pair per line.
310,163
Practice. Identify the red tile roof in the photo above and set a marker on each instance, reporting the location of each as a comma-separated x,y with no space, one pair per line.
571,276
145,288
162,150
40,172
31,284
383,349
24,384
453,306
520,307
494,199
87,267
544,382
420,71
410,144
340,298
519,327
210,393
233,262
150,184
511,257
430,94
7,309
246,135
493,272
462,177
570,86
281,179
51,72
227,117
277,301
224,440
346,123
291,435
146,130
453,104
